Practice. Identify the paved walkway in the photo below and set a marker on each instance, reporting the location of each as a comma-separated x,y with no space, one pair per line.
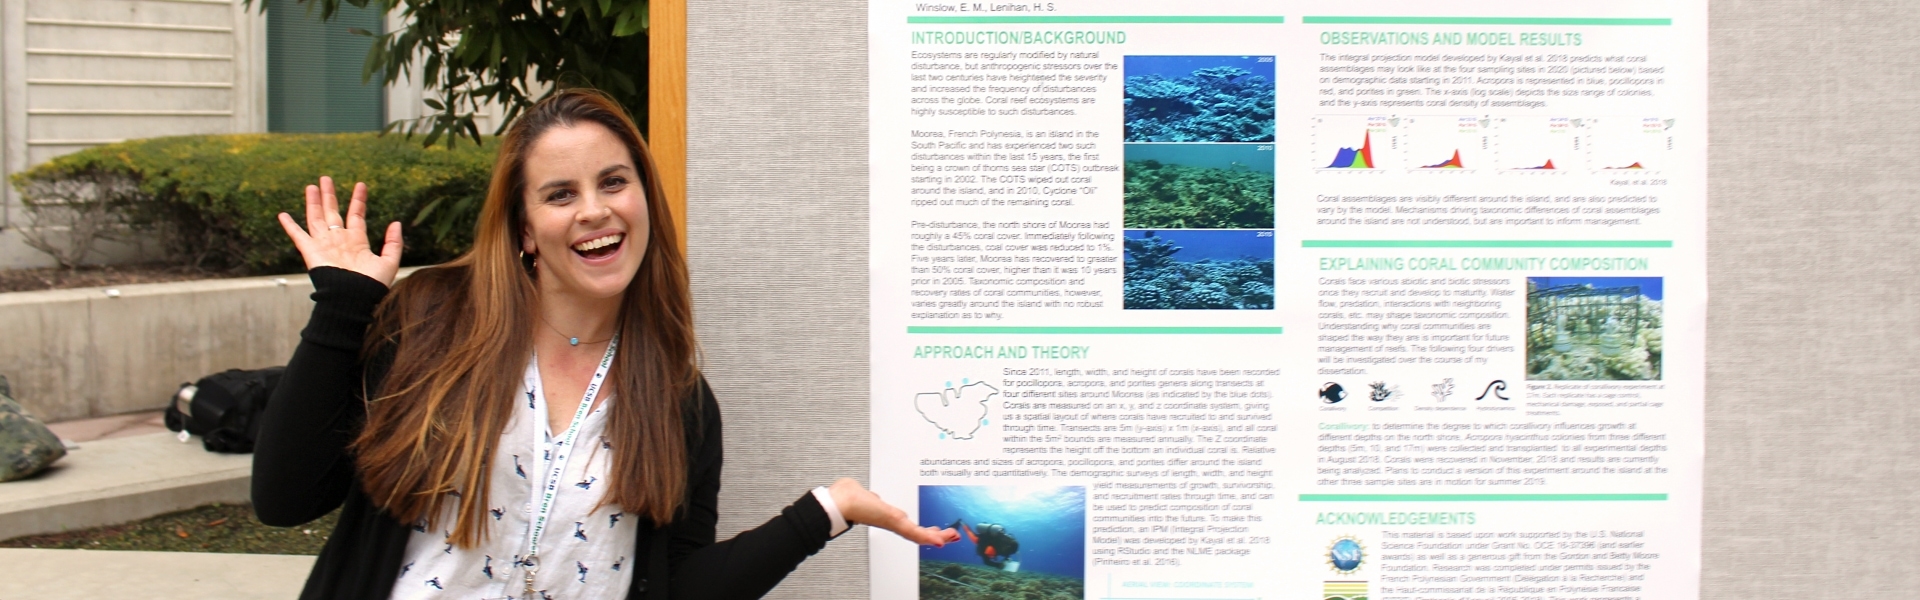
150,575
128,467
120,479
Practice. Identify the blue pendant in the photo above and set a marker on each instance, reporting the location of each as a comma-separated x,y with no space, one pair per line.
573,341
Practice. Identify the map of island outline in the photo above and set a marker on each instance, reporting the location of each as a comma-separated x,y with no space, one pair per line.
952,410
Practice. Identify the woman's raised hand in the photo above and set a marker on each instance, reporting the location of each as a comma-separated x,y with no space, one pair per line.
857,505
330,241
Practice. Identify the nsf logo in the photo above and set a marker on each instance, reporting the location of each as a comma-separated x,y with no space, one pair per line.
1345,555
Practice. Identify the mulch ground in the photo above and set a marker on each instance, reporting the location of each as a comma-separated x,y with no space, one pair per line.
58,278
227,528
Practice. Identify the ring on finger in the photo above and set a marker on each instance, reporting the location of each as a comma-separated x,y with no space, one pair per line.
333,227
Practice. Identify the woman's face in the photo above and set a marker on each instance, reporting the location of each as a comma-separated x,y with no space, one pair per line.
586,211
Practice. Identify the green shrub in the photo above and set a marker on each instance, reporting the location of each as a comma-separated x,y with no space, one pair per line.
212,199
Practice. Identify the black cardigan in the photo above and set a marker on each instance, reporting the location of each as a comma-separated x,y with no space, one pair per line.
302,471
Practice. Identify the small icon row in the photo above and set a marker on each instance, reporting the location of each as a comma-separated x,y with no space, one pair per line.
1381,391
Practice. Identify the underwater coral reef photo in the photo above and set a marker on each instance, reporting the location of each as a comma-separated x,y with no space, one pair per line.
1198,270
1016,543
1199,98
1199,186
1594,328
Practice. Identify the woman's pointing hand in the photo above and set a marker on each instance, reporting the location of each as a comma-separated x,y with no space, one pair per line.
857,505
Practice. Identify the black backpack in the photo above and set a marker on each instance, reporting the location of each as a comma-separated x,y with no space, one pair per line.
224,408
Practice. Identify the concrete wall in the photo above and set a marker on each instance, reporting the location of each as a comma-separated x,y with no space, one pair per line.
84,353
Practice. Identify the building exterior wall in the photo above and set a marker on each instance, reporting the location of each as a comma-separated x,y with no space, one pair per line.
316,70
80,73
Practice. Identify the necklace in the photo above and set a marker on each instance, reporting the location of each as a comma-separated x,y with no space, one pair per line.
571,340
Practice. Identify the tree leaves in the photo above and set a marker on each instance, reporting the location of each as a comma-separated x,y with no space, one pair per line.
474,53
631,21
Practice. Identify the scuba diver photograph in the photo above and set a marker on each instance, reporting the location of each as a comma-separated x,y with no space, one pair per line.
1015,543
993,543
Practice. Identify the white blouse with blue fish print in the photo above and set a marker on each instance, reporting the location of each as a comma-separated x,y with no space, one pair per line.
584,553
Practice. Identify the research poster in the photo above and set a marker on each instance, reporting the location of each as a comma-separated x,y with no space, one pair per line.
1256,300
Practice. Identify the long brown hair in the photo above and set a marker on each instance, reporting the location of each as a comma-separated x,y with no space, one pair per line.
460,340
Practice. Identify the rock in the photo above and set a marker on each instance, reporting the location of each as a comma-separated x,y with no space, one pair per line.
27,447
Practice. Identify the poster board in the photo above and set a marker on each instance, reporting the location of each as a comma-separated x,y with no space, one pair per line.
1250,301
1782,469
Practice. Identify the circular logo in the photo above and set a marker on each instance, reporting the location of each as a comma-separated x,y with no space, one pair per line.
1332,393
1345,555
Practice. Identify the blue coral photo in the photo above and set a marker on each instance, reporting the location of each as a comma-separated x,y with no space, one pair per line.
1015,543
1198,270
1199,98
1199,186
1595,328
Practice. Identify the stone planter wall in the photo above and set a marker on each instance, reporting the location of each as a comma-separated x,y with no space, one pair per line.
94,352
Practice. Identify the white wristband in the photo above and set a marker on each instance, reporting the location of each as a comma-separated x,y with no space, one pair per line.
833,511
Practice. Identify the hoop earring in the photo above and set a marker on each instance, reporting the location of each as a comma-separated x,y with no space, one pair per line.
530,262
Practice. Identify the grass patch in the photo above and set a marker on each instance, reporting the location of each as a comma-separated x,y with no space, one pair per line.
226,528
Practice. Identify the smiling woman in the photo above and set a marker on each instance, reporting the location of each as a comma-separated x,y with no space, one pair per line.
536,398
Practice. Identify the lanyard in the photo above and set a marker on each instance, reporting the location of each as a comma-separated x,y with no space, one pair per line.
549,487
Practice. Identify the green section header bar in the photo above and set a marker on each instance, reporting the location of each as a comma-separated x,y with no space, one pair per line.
1100,330
1486,243
1088,20
1483,497
1481,21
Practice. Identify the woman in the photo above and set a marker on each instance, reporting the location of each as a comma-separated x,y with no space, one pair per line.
526,421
